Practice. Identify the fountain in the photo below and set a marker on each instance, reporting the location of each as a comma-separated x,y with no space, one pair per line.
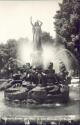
40,85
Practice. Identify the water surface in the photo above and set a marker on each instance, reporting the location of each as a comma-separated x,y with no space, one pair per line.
11,109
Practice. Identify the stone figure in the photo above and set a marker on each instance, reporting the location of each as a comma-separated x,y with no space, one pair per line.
36,27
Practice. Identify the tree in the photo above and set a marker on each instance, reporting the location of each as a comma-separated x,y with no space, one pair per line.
67,24
12,47
8,56
3,55
46,38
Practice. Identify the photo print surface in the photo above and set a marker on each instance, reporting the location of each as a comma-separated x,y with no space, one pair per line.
40,59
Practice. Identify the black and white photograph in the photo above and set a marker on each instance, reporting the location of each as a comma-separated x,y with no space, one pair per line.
40,62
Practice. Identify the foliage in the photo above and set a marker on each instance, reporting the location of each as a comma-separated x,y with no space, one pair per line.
46,38
8,55
67,25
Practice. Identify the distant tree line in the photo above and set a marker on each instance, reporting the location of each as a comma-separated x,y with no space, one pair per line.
8,55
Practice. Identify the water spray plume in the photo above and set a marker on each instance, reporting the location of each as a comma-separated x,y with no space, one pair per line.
25,50
37,53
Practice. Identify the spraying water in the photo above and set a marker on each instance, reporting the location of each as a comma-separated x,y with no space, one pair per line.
25,49
38,53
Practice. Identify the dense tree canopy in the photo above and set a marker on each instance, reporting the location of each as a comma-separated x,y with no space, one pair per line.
46,38
67,24
8,56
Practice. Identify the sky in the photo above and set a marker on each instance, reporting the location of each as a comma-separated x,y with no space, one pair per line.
15,18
